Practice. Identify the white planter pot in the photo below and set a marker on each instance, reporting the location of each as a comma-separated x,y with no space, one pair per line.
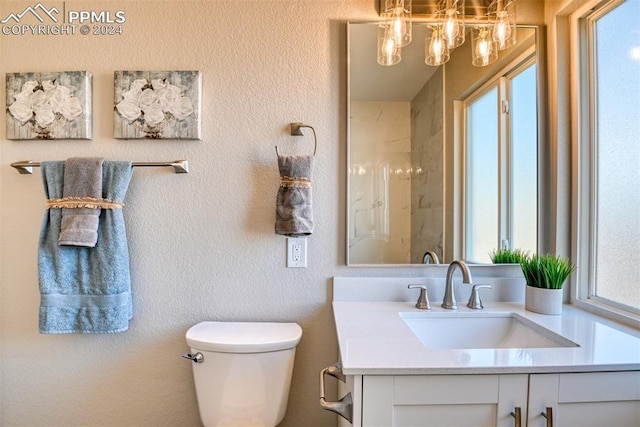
543,301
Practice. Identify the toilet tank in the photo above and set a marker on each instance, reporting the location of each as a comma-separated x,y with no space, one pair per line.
245,373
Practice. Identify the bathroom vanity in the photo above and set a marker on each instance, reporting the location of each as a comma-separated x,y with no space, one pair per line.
500,366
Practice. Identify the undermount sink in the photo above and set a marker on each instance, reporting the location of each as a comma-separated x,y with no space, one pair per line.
464,330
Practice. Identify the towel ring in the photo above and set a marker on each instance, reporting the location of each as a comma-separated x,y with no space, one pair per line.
296,130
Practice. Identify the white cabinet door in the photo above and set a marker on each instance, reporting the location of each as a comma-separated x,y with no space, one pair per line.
595,399
443,400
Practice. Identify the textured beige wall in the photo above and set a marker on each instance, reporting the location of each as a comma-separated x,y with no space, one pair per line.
202,245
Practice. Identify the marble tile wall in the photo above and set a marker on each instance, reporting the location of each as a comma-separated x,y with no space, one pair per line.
427,183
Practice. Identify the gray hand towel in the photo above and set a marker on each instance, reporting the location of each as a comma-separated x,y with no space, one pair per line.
294,212
82,179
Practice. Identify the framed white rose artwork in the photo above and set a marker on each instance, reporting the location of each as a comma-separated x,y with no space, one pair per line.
55,105
157,104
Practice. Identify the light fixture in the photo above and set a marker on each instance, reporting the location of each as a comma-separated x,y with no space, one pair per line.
388,49
503,15
492,31
453,27
483,49
398,13
436,49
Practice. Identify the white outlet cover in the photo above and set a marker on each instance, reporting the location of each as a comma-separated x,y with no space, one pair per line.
296,252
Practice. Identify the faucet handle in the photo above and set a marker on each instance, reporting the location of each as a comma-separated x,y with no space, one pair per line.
423,299
474,300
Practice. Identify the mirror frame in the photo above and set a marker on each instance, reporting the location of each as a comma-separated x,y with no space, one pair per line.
453,184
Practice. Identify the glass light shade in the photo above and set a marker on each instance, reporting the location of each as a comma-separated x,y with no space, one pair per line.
436,51
453,23
388,49
483,48
399,13
503,16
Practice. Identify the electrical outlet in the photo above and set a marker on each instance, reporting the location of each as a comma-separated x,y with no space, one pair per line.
296,252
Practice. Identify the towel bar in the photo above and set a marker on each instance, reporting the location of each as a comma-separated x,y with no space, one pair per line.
179,166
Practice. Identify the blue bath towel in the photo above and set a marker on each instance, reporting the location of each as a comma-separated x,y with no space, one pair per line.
85,290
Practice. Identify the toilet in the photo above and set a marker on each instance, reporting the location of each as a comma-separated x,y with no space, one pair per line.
242,371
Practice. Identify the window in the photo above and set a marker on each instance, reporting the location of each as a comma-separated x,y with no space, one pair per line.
608,147
501,164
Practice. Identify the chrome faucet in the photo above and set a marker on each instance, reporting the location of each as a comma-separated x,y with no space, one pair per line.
430,255
449,298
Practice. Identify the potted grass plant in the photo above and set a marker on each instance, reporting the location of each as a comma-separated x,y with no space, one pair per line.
545,275
508,256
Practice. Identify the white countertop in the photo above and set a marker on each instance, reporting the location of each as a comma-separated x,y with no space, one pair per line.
373,339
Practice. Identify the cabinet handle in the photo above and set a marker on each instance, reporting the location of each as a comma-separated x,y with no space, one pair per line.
548,414
517,414
343,407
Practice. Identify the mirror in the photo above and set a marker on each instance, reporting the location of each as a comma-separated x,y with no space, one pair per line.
407,195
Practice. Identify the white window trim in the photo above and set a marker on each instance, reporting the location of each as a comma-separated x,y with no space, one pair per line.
583,228
516,66
513,68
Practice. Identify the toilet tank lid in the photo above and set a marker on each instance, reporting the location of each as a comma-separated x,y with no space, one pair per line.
243,337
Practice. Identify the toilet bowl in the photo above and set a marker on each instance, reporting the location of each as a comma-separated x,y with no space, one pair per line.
242,371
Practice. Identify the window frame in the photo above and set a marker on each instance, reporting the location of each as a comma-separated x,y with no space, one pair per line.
502,82
584,153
